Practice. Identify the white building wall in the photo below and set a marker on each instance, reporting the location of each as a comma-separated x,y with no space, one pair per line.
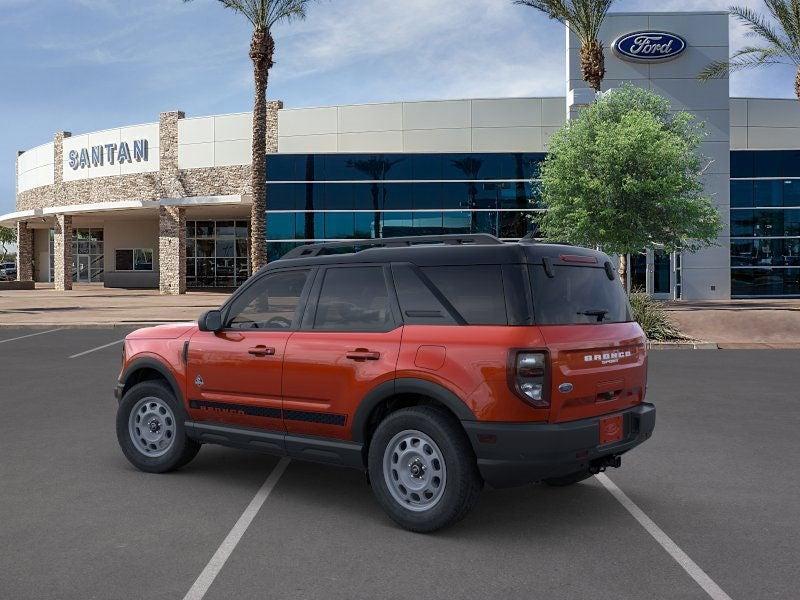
35,167
706,274
481,125
215,141
765,124
41,256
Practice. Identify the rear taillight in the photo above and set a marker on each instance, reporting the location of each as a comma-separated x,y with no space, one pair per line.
528,377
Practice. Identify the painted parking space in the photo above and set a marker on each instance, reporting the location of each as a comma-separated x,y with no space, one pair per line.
86,524
720,474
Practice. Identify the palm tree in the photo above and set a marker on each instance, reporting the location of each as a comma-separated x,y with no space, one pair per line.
584,19
780,41
263,15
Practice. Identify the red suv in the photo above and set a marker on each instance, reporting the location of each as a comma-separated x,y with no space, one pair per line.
435,364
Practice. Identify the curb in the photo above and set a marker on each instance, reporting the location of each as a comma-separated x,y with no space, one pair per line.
682,346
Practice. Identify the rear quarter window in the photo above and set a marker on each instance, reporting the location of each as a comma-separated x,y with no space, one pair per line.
475,291
577,295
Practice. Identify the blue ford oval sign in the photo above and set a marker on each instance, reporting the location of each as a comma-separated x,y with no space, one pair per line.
649,46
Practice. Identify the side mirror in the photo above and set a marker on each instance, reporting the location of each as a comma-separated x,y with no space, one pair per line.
210,321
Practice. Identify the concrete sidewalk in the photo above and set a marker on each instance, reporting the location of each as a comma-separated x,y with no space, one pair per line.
740,323
94,305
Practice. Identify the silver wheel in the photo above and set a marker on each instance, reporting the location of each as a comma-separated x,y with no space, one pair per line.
151,426
414,470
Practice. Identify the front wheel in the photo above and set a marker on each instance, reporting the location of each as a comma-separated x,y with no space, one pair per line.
150,429
423,470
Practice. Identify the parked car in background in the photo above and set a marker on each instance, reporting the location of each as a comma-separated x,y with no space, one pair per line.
8,271
434,364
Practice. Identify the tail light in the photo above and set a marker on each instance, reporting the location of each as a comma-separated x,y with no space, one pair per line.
528,377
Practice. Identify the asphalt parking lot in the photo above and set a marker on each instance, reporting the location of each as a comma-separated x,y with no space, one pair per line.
719,477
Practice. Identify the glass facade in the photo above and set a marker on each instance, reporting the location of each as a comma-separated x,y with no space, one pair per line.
217,253
327,197
765,223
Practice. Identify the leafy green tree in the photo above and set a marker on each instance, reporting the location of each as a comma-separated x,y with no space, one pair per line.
625,176
263,15
7,237
778,37
584,18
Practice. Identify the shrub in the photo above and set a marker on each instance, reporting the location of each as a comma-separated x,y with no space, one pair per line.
653,319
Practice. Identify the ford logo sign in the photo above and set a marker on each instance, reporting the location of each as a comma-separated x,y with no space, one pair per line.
649,46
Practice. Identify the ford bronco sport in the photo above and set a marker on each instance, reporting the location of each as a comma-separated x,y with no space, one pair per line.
434,364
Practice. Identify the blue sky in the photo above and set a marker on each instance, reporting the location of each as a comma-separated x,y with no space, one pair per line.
84,65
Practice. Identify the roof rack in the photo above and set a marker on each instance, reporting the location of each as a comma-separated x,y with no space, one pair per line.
477,239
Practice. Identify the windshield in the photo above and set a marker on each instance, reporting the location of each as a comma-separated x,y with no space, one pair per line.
577,295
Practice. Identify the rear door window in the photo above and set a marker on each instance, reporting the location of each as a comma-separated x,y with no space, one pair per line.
354,299
476,291
577,295
418,302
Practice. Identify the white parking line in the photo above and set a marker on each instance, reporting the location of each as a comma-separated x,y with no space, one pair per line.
214,566
688,565
96,349
22,337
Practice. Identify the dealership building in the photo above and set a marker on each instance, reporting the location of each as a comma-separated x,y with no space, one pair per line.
167,204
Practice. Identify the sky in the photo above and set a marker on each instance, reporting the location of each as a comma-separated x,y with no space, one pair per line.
86,65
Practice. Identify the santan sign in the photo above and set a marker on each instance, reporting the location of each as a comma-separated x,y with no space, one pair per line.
649,46
97,156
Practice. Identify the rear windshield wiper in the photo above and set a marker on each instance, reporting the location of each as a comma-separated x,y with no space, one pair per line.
599,313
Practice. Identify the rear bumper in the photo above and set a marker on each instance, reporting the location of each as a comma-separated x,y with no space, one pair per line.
511,454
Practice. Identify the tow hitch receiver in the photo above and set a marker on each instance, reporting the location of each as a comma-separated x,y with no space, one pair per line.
601,464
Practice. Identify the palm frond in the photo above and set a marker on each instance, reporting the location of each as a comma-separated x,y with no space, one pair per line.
745,58
263,14
759,26
783,11
583,17
284,10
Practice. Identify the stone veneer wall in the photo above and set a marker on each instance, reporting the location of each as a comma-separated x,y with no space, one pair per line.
217,181
172,250
62,251
24,252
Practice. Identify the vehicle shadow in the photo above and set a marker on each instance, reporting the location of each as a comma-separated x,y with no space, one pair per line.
539,510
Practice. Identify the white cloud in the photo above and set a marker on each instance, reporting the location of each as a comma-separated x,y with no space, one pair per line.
422,48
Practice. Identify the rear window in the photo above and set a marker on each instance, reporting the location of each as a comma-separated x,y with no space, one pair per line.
577,295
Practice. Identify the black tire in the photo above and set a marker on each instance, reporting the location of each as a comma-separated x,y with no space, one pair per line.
566,480
182,450
463,481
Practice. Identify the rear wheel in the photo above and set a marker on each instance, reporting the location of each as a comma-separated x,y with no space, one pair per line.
150,429
422,469
570,479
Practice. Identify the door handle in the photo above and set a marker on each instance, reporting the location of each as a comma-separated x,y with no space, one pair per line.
261,351
363,354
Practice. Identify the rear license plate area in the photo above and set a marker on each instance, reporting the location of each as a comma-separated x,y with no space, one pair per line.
611,429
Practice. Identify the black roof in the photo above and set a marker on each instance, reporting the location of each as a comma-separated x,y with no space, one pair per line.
439,250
